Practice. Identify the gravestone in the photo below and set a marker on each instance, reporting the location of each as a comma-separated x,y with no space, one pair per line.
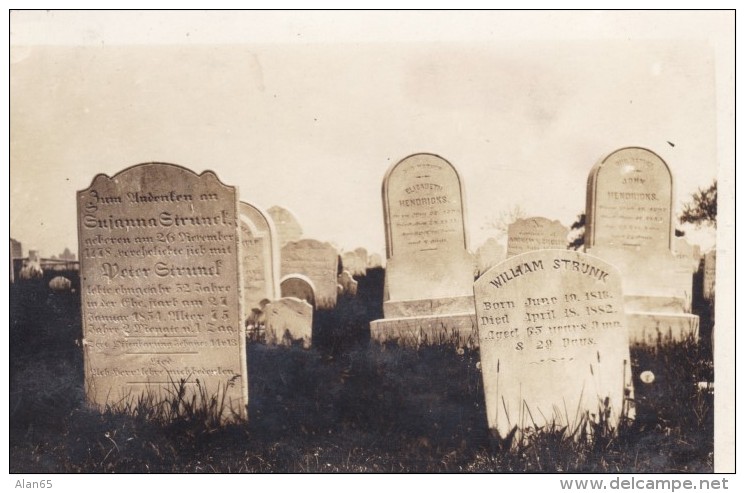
629,202
348,284
300,287
630,225
488,255
684,251
710,274
355,262
161,287
319,262
288,228
553,342
535,233
289,320
429,271
259,257
374,261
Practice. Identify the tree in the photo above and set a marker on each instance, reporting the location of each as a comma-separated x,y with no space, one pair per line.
577,232
702,209
502,223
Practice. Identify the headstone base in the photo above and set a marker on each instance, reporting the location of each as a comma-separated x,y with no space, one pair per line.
647,328
458,329
430,307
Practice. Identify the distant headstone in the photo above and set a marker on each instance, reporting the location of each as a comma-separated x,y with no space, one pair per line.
300,287
67,255
686,252
488,255
319,262
288,228
553,342
429,271
161,287
16,249
289,320
60,284
374,261
535,233
355,262
259,255
629,224
629,201
710,274
348,284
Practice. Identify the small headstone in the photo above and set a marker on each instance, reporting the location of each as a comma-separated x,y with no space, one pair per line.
629,201
289,320
488,255
685,252
374,261
288,228
259,257
161,287
710,274
348,284
319,262
429,271
60,284
553,342
535,233
354,262
298,286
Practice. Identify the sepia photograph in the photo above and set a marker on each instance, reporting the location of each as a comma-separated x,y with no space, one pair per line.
392,242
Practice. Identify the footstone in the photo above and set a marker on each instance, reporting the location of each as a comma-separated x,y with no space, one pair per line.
553,342
161,287
289,320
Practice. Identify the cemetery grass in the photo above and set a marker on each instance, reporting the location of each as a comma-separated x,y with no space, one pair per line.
346,405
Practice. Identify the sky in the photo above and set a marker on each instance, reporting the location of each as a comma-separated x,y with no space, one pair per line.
308,110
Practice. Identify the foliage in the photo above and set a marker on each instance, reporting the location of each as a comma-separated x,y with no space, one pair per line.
702,209
577,231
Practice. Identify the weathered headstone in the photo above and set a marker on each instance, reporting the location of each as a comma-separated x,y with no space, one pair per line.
553,342
629,201
630,225
300,287
289,320
488,255
354,263
374,261
684,251
710,274
348,284
259,257
288,228
60,284
319,262
535,233
161,287
429,271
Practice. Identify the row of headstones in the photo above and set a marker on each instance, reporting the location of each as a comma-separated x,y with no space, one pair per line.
543,320
174,270
162,283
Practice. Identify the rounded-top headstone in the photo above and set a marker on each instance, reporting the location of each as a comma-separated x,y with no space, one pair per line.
288,227
260,256
629,201
553,341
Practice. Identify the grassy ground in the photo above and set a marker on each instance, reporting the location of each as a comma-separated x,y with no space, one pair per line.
346,405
